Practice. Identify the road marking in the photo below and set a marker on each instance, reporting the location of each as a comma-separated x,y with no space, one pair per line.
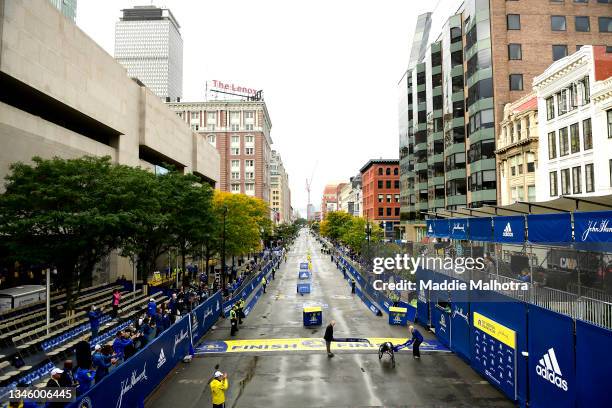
305,344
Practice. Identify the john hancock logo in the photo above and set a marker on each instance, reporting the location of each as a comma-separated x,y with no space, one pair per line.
596,227
178,338
458,226
129,383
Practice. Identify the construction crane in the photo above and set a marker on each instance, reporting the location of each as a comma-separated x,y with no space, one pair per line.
308,184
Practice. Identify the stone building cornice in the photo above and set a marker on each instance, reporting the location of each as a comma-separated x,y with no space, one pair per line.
602,91
562,68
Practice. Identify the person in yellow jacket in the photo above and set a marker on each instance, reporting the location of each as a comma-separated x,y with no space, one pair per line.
218,386
264,283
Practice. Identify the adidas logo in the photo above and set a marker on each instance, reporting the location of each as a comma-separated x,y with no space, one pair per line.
430,229
548,368
162,359
508,231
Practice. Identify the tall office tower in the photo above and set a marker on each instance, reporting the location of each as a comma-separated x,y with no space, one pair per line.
280,202
148,44
485,56
67,7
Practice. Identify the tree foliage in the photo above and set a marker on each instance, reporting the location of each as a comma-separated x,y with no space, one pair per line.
349,230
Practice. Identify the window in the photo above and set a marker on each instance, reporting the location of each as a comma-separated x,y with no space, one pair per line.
235,151
388,171
249,188
381,211
559,51
574,138
249,175
397,211
552,145
565,181
605,24
396,184
563,142
557,23
552,176
235,164
515,52
389,211
609,124
530,162
388,184
576,180
516,82
550,108
513,165
519,163
381,198
380,184
236,140
211,139
589,175
562,102
587,134
235,188
397,198
211,120
395,171
531,193
389,198
249,163
380,171
248,139
235,175
514,21
582,24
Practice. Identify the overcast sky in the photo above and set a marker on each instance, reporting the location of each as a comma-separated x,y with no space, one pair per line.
329,70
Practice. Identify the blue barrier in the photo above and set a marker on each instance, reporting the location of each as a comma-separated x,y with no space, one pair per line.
593,368
422,298
204,316
129,384
461,329
246,291
552,377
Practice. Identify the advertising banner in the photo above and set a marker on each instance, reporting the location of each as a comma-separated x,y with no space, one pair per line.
552,377
129,384
441,228
205,315
509,229
555,228
440,319
460,323
459,228
593,226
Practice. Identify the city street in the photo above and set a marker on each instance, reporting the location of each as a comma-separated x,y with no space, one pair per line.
298,378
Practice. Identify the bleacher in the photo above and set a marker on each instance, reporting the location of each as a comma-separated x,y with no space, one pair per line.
43,347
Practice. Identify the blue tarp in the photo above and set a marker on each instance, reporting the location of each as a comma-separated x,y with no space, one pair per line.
480,229
554,228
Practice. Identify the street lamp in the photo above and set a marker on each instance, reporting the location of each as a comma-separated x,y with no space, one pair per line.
223,249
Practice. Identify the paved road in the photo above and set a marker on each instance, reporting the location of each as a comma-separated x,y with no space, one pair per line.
298,379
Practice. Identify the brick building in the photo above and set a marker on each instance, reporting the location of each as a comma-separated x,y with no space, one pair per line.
240,130
329,201
380,190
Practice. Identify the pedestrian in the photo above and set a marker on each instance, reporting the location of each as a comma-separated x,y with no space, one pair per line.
329,337
218,386
417,339
94,321
273,272
102,361
233,321
264,282
116,301
85,378
353,285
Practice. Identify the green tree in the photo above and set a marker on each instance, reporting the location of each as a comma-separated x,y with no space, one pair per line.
67,213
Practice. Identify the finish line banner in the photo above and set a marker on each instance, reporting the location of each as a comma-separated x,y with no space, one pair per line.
304,344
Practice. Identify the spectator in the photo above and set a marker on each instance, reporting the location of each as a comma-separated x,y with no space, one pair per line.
85,378
116,301
151,308
102,361
66,378
120,343
94,320
173,304
218,386
54,383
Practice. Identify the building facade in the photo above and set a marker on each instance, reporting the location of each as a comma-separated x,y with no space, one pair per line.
149,45
240,131
67,8
575,115
381,194
72,101
517,151
329,201
485,56
279,190
349,198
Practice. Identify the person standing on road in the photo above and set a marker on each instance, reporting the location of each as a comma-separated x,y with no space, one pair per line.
264,283
240,310
329,337
273,272
233,321
218,386
417,339
353,285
